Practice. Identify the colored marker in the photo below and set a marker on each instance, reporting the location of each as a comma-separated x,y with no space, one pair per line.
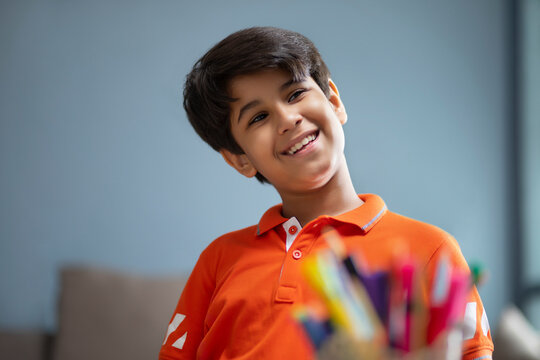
448,300
402,292
478,274
378,288
317,330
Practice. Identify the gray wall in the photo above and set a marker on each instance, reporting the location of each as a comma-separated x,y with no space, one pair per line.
98,163
530,150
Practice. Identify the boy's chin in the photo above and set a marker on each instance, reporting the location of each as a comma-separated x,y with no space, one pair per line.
304,184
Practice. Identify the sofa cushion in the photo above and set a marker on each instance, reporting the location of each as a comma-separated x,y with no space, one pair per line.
104,314
23,345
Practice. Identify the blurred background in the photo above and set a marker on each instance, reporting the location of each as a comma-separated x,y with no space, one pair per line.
99,165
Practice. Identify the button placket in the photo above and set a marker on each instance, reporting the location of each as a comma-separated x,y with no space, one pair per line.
286,291
291,272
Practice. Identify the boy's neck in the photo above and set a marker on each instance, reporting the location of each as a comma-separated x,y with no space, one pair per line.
336,197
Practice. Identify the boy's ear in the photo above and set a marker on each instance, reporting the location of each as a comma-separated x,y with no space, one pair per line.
336,102
240,162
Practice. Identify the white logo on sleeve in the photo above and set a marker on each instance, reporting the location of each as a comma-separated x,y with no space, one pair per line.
179,344
178,318
485,322
469,321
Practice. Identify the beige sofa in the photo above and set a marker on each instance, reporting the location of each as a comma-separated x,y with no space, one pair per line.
102,314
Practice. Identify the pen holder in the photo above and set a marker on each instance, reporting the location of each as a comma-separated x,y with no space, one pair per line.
341,346
384,314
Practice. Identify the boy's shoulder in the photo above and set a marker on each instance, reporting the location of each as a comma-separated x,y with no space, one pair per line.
411,226
427,239
230,240
236,237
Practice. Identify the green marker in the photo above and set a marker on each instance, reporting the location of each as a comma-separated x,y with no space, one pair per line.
478,273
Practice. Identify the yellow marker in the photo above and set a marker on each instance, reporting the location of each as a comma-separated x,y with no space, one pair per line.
314,274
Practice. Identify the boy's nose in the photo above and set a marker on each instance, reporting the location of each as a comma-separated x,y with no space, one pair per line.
287,120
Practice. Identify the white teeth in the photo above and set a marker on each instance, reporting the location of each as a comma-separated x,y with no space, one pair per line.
301,144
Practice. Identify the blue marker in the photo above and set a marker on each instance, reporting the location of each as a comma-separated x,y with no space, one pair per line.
317,330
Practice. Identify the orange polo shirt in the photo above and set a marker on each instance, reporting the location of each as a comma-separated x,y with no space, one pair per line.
237,301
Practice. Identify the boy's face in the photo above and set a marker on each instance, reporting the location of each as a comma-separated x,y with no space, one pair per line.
290,131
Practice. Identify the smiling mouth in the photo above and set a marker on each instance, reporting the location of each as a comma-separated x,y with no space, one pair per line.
302,143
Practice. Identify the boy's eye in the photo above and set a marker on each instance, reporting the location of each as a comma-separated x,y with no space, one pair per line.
257,118
296,94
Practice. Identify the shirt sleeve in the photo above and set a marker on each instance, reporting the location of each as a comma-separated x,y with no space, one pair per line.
186,328
477,342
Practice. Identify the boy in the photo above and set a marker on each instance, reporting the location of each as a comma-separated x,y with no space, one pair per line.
264,99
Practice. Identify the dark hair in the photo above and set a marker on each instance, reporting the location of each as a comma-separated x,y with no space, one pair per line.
206,99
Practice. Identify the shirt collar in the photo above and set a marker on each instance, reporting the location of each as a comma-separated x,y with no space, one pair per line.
366,216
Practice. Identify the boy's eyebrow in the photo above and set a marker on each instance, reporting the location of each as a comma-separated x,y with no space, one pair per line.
254,103
246,107
289,83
